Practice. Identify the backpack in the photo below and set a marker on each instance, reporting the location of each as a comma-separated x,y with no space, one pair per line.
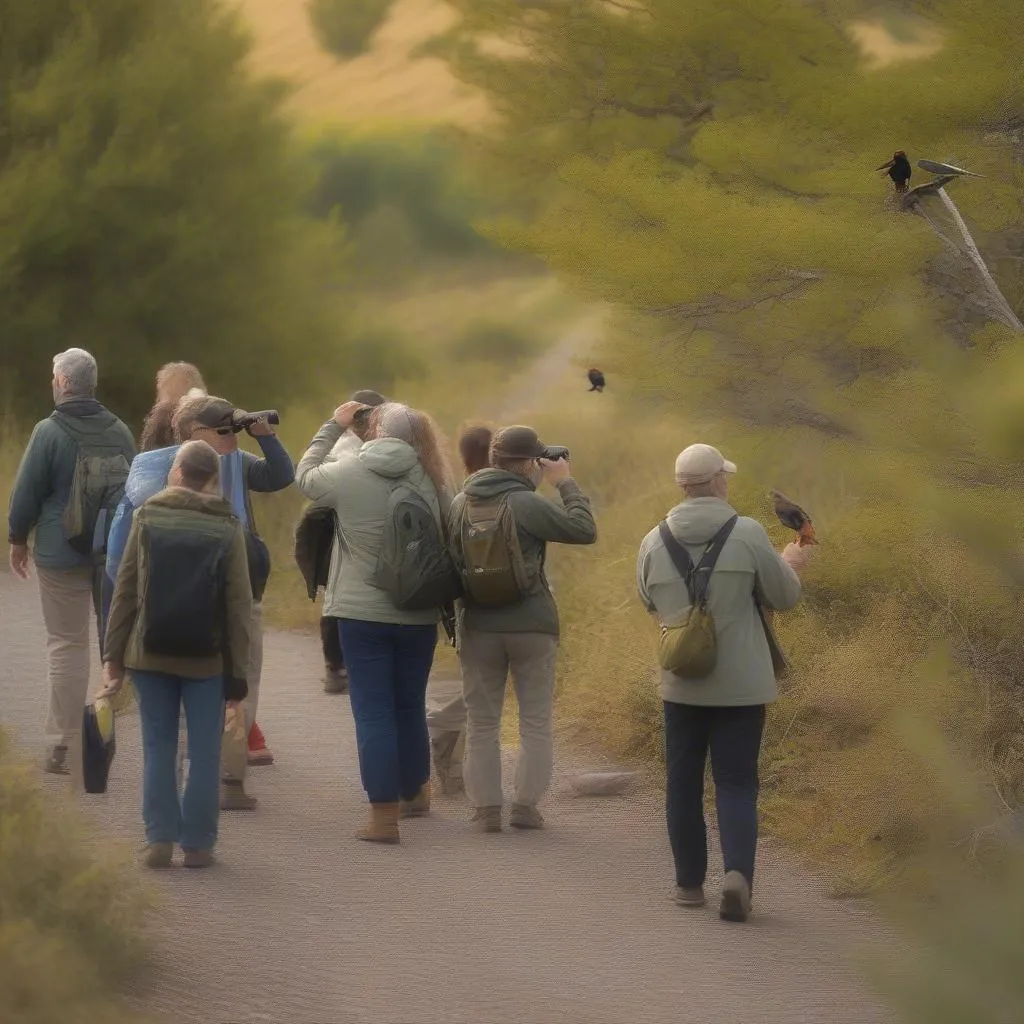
494,572
690,650
414,567
97,487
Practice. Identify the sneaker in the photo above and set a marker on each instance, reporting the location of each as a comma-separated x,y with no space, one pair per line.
687,896
197,858
260,757
487,819
336,680
233,797
735,905
57,761
525,816
446,755
158,855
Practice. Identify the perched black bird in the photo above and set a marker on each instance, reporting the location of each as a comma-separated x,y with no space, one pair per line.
596,378
899,169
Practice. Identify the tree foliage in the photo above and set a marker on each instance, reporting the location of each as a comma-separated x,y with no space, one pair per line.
709,168
151,204
346,27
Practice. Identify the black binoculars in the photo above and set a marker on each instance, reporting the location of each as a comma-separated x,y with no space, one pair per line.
243,420
555,453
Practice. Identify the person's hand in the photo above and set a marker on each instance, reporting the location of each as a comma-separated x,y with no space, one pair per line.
555,470
797,557
19,560
261,428
232,705
114,675
346,413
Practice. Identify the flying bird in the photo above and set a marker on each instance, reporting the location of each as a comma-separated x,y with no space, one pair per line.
792,516
899,169
933,167
596,378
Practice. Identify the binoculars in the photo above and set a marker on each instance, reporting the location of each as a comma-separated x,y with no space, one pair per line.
555,453
243,420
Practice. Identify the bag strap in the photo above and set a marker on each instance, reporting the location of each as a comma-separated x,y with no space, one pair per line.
696,576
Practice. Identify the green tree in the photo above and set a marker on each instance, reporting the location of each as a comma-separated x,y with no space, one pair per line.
346,27
151,205
708,168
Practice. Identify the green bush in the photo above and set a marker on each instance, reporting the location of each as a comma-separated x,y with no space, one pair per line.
69,915
380,357
345,27
495,341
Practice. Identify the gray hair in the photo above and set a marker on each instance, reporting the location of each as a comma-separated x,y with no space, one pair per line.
79,369
199,465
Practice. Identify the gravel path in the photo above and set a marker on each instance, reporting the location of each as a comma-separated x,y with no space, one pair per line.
299,923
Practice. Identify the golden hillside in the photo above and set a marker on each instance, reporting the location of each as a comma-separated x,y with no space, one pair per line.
384,83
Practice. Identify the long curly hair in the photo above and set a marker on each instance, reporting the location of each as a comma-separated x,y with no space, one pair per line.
475,446
173,382
419,430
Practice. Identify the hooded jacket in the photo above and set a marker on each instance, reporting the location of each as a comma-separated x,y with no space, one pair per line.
193,515
43,484
748,565
539,522
357,484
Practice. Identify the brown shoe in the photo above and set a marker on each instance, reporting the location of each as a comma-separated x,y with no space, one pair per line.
233,797
158,855
336,680
382,826
418,806
197,858
525,816
57,761
487,819
689,896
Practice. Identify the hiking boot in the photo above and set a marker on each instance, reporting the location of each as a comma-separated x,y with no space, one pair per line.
233,797
735,905
57,761
689,896
418,806
525,816
487,819
446,754
260,757
336,680
382,826
158,855
197,858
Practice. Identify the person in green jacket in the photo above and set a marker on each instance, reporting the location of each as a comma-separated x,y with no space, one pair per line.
68,579
520,637
721,714
180,622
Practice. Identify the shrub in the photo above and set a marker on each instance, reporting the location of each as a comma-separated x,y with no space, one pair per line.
380,357
69,915
346,27
495,341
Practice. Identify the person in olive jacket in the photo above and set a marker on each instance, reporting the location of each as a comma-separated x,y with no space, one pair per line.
180,622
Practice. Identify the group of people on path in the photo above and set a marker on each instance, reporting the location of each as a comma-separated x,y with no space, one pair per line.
168,553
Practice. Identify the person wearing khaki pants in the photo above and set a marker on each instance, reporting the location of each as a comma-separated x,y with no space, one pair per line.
40,497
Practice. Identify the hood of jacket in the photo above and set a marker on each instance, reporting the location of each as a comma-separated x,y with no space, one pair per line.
696,520
89,415
388,457
183,499
494,483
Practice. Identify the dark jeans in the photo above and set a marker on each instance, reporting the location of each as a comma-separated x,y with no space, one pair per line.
388,666
330,640
733,737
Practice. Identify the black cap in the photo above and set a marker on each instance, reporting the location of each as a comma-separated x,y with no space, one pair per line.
518,443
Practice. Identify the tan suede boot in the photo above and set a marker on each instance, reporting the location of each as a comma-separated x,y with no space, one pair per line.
382,826
418,806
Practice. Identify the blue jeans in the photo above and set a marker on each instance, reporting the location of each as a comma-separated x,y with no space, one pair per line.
190,820
388,666
733,738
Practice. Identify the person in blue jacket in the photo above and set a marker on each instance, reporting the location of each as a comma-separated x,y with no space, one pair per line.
202,417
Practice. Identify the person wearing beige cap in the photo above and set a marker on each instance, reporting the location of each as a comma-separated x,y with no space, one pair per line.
722,713
499,529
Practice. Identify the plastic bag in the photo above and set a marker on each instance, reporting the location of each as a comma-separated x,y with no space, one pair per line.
235,743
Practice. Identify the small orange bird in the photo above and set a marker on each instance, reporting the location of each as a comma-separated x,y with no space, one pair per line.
791,515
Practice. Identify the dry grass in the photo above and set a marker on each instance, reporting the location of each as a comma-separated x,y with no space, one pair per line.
386,83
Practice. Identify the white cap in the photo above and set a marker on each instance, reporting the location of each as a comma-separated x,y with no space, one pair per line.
700,464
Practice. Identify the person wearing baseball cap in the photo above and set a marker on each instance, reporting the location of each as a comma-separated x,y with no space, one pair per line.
512,625
721,713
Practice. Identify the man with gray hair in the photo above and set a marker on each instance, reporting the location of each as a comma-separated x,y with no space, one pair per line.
69,483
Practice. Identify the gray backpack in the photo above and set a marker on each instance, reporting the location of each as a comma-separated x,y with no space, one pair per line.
97,487
413,566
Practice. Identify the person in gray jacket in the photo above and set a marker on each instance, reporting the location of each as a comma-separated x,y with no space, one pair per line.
67,578
723,713
521,637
